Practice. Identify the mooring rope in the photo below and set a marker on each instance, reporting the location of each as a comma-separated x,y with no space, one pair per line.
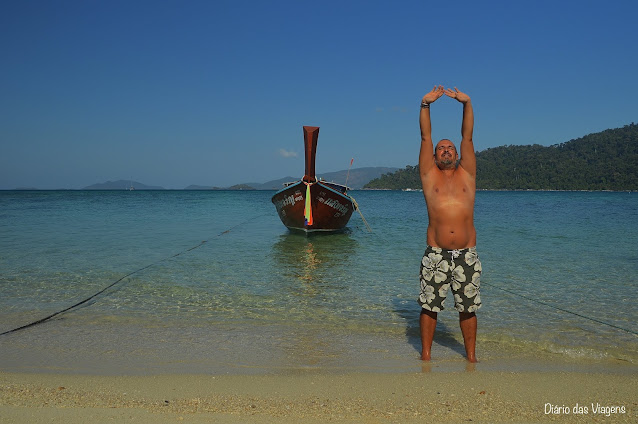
82,302
356,206
559,308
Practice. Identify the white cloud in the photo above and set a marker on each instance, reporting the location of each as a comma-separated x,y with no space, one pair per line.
285,153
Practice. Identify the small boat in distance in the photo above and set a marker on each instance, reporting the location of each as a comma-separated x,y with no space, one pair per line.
310,204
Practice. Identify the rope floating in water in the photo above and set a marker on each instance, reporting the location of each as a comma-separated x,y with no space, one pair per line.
356,206
82,302
561,309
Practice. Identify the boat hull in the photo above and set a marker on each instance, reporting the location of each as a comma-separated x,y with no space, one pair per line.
331,209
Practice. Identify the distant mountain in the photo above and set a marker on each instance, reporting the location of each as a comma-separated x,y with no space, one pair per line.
607,160
241,187
200,187
235,187
122,185
358,176
272,185
357,179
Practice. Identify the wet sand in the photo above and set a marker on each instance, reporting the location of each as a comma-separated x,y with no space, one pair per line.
442,397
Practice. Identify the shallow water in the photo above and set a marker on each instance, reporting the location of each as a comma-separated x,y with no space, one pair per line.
559,283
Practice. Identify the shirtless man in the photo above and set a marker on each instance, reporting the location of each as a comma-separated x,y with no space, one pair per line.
450,259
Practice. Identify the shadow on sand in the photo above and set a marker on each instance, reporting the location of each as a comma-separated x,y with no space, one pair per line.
444,336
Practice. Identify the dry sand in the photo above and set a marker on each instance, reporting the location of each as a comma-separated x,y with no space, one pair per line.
431,397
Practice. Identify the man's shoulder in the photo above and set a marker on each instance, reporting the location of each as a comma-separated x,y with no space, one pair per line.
464,172
430,174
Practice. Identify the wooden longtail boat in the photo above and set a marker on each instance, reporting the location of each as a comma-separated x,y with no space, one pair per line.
312,205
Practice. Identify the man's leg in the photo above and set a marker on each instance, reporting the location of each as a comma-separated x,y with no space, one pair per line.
467,320
427,322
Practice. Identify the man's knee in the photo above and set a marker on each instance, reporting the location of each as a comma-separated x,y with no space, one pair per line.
466,315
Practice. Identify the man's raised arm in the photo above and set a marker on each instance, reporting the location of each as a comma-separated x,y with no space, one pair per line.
426,155
468,157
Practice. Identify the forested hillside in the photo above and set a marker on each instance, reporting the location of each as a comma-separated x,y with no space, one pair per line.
607,160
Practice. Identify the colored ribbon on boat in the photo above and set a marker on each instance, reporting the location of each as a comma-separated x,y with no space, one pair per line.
307,211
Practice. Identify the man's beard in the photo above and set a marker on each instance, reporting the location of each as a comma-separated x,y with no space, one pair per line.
446,163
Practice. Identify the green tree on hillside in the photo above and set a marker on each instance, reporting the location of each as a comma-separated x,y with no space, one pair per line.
607,160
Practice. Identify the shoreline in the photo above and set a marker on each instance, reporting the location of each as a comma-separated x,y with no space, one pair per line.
457,396
274,350
84,345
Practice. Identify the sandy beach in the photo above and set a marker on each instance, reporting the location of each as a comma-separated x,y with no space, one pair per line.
471,396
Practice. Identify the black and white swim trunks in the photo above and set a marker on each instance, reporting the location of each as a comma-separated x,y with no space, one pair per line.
441,269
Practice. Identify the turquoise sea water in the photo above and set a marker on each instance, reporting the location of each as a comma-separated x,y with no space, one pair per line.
257,298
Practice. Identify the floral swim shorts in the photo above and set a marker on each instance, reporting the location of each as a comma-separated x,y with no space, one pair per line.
459,268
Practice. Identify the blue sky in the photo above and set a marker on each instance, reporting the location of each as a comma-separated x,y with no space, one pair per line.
174,93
